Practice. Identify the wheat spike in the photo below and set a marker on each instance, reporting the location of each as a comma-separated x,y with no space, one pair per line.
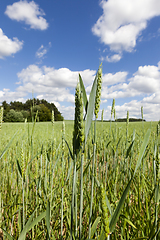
98,92
78,133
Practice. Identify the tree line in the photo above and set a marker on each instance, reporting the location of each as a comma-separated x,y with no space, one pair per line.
125,120
17,111
130,120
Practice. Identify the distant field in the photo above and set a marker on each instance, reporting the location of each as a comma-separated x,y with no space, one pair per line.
44,129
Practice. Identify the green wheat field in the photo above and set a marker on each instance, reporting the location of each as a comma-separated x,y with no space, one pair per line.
80,179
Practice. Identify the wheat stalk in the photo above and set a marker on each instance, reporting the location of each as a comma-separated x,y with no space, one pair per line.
1,117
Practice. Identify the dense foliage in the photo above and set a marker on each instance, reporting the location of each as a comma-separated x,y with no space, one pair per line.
130,120
17,111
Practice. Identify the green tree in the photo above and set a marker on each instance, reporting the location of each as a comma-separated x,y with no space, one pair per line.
13,116
16,105
44,114
29,108
6,109
25,114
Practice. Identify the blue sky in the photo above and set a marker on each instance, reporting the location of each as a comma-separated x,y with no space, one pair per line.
45,44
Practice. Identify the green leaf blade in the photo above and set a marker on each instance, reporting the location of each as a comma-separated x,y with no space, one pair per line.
90,109
85,100
143,148
94,226
119,207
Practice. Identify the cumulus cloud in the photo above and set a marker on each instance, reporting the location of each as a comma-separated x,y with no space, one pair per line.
54,85
28,12
150,112
114,58
1,94
153,99
146,79
9,96
68,111
122,22
134,107
111,79
42,51
51,77
145,82
9,46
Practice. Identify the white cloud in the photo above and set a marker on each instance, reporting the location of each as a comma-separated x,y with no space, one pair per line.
149,71
50,77
107,93
134,108
145,83
9,96
1,94
29,12
146,79
111,79
108,79
8,46
114,58
54,85
42,51
122,22
153,99
68,111
150,112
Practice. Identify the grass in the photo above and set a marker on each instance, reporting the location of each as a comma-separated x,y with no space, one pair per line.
31,171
